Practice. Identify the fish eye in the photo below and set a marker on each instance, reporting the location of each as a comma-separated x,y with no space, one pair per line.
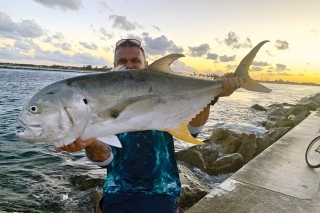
85,101
33,109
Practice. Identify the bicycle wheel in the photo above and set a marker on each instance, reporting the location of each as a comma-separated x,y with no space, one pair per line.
313,153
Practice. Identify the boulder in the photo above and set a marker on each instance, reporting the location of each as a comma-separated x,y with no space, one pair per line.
284,122
192,188
295,110
197,157
225,164
258,107
86,181
270,137
248,148
225,140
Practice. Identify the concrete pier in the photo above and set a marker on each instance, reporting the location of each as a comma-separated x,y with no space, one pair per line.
277,180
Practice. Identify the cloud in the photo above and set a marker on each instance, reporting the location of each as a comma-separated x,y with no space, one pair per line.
64,46
62,4
179,66
254,69
225,58
284,74
282,45
212,56
12,53
233,41
231,67
91,46
105,34
26,45
259,63
199,50
281,67
58,36
121,22
104,6
158,46
25,28
157,28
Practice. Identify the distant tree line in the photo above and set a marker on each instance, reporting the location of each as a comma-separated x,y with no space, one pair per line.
55,66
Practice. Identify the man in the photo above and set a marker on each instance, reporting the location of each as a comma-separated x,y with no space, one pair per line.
142,175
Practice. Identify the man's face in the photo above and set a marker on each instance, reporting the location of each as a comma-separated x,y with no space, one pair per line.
131,57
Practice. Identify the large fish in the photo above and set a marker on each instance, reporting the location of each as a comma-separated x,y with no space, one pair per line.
104,104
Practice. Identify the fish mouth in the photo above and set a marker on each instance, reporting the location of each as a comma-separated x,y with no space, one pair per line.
30,131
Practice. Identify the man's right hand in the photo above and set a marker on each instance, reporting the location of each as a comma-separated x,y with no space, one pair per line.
95,149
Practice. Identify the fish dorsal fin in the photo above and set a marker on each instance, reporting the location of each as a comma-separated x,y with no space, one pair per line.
163,64
119,67
182,132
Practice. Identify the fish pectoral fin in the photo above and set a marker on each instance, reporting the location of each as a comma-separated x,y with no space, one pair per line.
182,132
114,111
163,64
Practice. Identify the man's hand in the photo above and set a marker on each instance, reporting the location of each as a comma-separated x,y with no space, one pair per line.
95,149
77,145
230,84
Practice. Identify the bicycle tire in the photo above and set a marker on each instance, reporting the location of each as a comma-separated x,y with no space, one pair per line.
312,157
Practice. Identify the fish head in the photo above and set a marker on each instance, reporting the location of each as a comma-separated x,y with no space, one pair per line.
57,116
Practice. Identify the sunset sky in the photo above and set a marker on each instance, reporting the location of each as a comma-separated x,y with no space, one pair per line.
214,35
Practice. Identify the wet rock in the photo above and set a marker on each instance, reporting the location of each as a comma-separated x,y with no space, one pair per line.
296,110
226,141
284,122
225,164
269,138
86,181
300,117
258,107
192,188
197,157
309,103
275,114
96,201
248,148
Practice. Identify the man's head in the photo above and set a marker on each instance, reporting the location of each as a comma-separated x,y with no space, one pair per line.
129,53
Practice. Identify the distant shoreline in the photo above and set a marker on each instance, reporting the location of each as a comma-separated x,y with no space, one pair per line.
100,71
48,69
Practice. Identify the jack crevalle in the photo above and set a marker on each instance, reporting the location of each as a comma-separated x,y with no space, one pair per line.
104,104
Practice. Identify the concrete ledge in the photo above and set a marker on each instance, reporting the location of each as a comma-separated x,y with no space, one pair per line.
277,180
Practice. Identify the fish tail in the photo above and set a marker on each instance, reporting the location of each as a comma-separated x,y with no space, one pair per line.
242,71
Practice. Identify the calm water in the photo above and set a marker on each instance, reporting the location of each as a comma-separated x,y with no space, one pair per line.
34,178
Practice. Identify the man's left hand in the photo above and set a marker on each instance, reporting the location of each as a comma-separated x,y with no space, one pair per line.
230,84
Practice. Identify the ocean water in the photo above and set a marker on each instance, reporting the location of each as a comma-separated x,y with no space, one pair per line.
35,178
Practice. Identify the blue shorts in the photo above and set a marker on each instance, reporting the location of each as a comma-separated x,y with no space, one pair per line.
113,203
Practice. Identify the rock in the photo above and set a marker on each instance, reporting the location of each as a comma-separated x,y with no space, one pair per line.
270,137
300,117
258,107
86,181
284,122
197,157
295,110
225,140
269,124
225,164
96,201
248,148
192,188
309,103
275,114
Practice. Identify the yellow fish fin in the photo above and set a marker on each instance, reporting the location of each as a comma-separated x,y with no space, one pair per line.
182,132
